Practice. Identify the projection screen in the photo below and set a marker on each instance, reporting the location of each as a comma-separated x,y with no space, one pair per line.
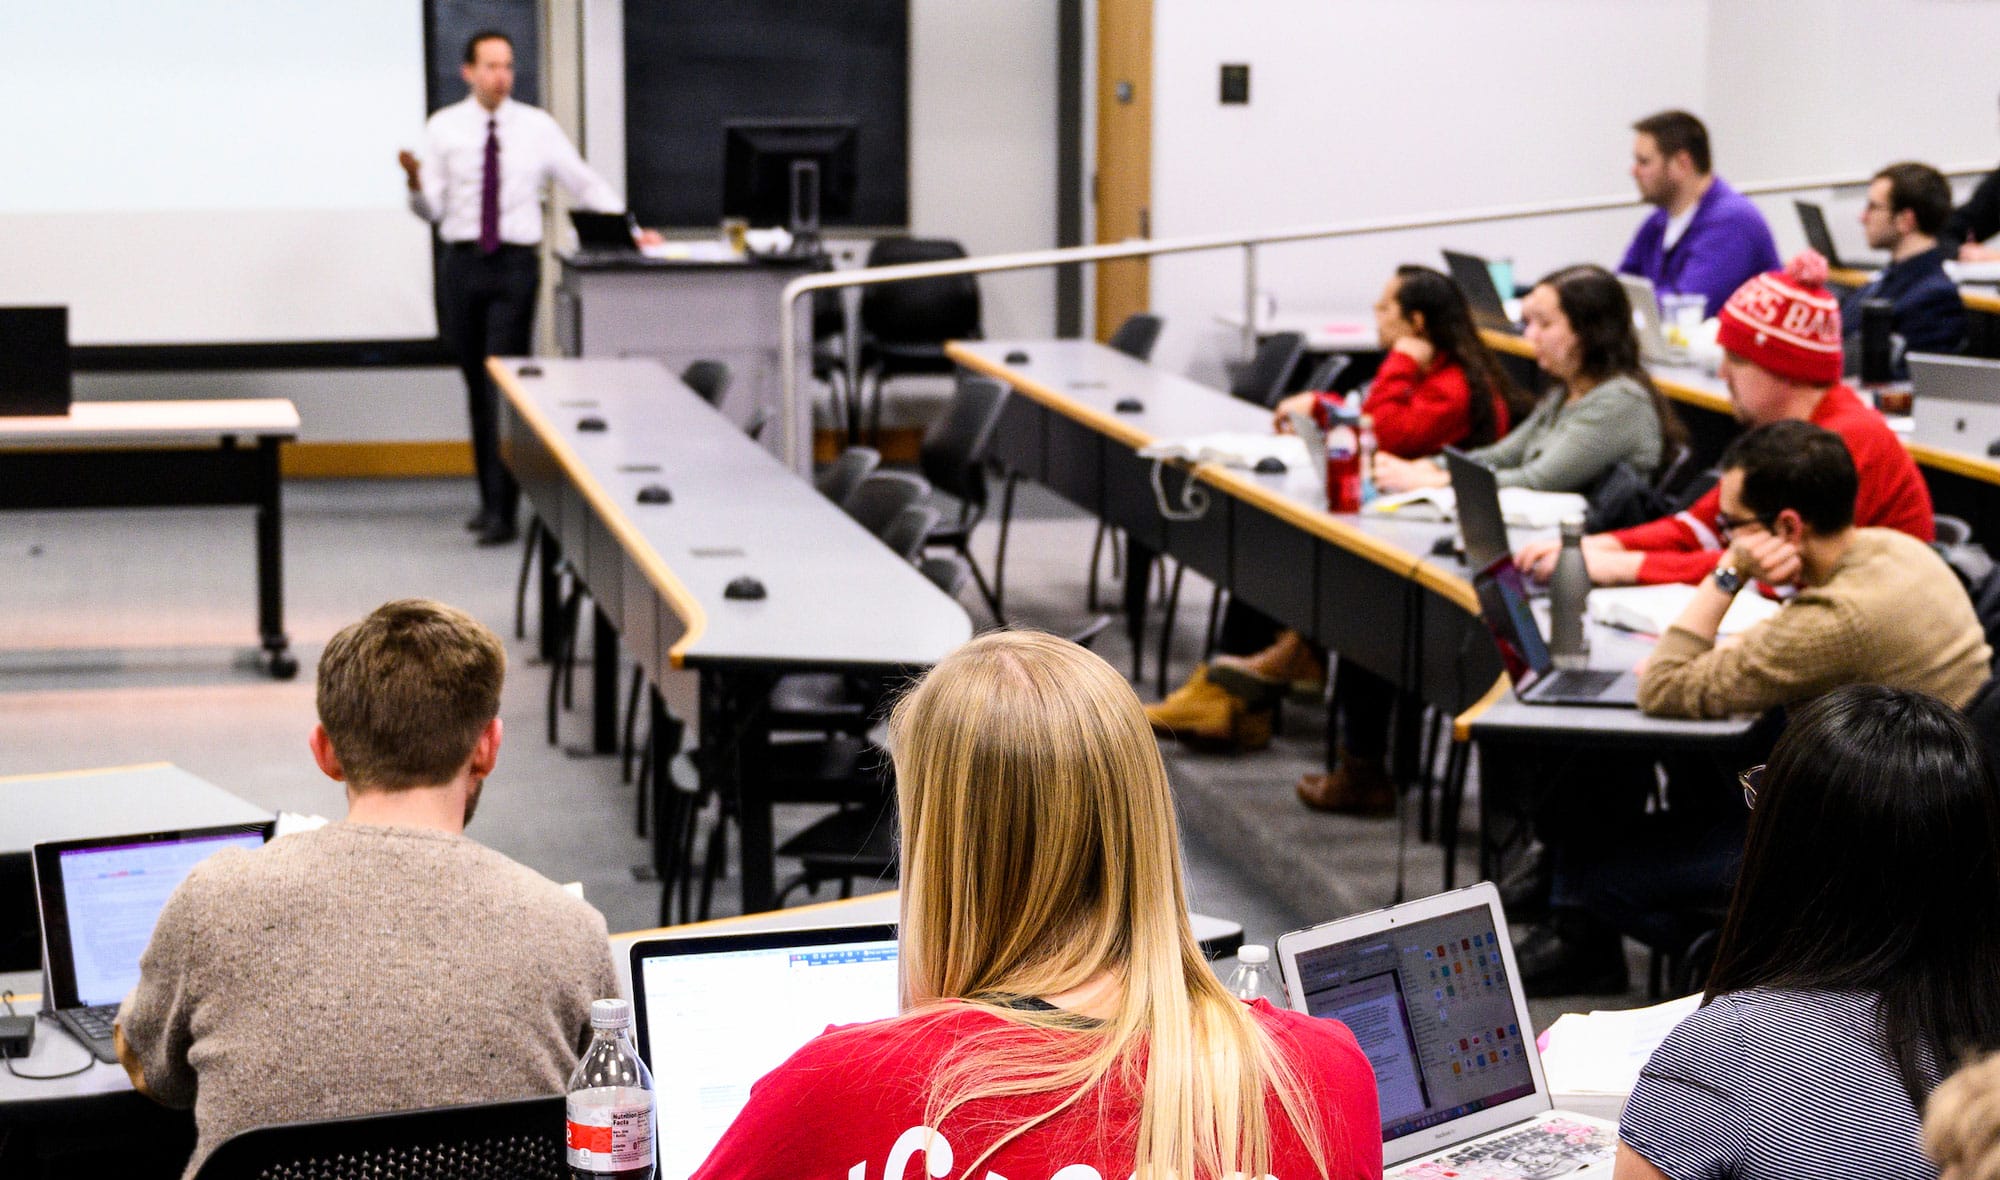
210,173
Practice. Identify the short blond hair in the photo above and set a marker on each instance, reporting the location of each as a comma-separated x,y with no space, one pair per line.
405,693
1040,851
1962,1122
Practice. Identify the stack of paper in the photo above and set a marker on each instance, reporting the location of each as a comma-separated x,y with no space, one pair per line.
1600,1054
1650,610
1521,508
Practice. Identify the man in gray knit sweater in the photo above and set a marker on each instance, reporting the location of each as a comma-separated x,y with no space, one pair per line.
385,962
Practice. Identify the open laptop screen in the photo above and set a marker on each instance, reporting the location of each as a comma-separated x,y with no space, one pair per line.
716,1014
1431,1006
1503,604
102,898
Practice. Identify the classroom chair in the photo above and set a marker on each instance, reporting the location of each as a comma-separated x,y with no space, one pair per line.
519,1139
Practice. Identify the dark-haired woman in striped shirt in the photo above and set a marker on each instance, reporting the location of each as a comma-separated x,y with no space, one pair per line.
1859,964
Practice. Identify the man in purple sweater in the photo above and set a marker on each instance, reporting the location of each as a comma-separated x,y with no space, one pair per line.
1703,238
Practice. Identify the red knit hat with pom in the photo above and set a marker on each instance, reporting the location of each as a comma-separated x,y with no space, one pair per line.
1786,321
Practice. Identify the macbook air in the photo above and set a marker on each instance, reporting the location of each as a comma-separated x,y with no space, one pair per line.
714,1014
605,233
1813,220
1503,603
1475,493
1956,403
1488,302
1645,303
1430,991
99,900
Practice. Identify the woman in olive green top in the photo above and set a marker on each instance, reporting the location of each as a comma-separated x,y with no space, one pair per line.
1603,411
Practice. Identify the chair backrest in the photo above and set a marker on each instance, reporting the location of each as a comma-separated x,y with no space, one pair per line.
920,310
1951,530
488,1141
882,495
759,419
947,573
710,379
845,474
907,530
953,454
1137,335
1264,382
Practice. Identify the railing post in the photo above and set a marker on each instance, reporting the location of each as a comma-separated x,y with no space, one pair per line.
1249,300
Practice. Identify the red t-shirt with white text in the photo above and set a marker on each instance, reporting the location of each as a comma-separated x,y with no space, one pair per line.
850,1105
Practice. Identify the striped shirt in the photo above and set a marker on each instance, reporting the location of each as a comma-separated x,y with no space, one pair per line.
1764,1083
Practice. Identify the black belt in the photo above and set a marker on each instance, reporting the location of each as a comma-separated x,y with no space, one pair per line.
473,248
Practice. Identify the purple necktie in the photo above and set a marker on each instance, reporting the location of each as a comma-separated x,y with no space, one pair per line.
489,192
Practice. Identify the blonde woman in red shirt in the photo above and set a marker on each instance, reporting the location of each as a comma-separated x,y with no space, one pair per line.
1059,1018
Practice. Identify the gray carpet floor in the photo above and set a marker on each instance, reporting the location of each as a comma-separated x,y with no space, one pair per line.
129,636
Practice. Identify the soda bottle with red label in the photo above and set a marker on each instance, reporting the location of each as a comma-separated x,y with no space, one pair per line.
610,1108
1343,464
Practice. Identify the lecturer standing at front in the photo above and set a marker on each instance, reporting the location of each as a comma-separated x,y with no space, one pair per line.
485,165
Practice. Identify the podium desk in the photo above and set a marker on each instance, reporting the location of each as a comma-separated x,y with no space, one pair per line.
585,438
677,311
164,454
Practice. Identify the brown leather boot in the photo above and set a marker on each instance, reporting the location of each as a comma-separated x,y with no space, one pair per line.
1199,712
1288,665
1357,786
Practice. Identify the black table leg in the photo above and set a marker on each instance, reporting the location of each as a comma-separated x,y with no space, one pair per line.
1138,584
271,564
603,684
550,590
758,850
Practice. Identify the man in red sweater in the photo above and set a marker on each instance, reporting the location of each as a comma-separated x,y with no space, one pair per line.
1780,335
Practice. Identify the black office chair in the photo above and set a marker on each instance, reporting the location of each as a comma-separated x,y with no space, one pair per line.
953,458
910,529
1137,335
1135,338
1267,378
759,419
518,1140
882,495
905,325
838,481
710,379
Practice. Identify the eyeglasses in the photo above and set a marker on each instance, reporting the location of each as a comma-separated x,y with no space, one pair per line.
1751,780
1729,525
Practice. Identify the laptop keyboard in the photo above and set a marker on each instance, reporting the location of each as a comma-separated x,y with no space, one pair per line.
1580,683
95,1022
1554,1147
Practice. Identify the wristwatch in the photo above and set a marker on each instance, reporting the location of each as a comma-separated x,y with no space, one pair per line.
1728,579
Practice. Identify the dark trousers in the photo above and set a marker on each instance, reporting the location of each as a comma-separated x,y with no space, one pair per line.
487,305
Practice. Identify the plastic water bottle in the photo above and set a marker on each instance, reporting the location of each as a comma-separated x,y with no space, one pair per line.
1367,459
1343,465
1569,644
610,1108
1252,980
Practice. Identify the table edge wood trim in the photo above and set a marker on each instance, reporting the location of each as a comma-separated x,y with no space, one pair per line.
640,551
734,919
1318,524
129,768
1461,725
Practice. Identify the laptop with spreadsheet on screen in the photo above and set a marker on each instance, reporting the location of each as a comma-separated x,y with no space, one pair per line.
1430,991
99,900
714,1014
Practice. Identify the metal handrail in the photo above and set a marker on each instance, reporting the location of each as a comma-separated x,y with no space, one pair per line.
1248,243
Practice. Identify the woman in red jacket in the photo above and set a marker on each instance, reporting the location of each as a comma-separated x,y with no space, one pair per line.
1422,398
1058,1016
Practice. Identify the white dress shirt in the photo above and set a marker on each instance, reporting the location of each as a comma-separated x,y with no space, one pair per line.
533,150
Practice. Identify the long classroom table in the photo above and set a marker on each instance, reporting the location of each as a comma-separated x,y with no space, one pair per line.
1961,484
585,438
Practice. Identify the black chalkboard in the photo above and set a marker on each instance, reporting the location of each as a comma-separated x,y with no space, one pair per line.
453,22
691,66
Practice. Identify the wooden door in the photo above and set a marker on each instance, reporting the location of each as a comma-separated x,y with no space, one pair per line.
1124,182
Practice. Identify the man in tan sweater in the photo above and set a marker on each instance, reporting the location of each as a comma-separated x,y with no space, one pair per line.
1873,606
385,962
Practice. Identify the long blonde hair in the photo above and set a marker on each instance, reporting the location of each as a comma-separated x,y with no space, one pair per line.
1039,852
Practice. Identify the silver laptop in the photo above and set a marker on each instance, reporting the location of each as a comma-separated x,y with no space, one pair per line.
1645,303
1430,991
714,1014
98,900
1475,493
1956,403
